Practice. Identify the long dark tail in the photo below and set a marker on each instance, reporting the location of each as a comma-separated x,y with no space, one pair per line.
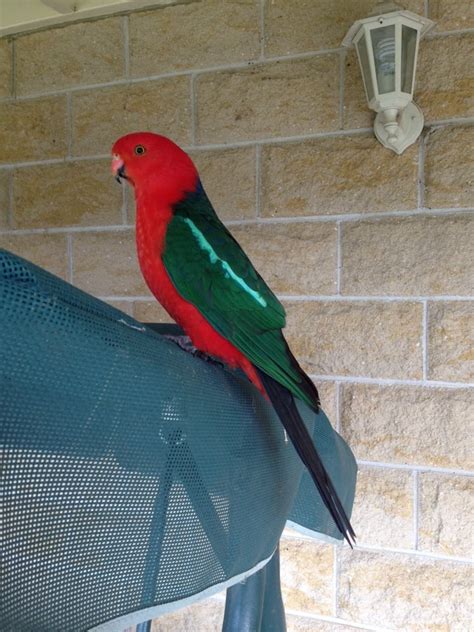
285,406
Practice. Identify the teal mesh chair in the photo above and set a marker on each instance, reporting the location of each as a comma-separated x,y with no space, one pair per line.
138,478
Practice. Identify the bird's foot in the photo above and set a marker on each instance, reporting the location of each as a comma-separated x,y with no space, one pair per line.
184,343
207,358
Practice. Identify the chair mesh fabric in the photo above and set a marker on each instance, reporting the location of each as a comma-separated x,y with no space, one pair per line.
134,474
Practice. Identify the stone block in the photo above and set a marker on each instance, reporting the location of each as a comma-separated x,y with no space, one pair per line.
451,341
409,424
33,130
452,15
445,77
229,177
354,174
5,68
307,575
403,592
371,339
446,508
51,60
101,117
408,256
288,98
449,170
66,194
194,35
383,509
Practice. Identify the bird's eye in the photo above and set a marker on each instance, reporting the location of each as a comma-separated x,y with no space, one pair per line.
140,150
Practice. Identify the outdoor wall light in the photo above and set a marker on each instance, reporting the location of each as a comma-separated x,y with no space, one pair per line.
387,48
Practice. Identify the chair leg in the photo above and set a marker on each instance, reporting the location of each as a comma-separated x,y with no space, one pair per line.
255,605
273,619
244,604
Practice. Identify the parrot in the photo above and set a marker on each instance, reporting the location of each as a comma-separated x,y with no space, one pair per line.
205,281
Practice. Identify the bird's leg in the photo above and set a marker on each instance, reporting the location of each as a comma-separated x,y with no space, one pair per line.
184,343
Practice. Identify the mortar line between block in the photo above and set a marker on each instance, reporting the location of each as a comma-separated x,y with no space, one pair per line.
450,122
426,8
261,24
126,45
342,62
335,133
258,180
418,468
338,406
338,257
416,508
194,115
13,71
335,587
69,124
50,161
70,259
415,553
10,206
448,33
125,217
126,299
70,229
391,381
421,172
370,548
311,298
424,340
370,216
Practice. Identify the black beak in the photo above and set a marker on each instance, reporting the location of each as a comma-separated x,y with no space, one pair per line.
121,174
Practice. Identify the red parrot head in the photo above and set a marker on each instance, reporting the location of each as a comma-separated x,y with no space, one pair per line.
151,162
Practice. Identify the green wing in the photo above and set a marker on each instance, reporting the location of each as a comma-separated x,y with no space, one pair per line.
210,270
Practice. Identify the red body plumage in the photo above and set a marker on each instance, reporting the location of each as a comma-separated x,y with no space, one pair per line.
154,212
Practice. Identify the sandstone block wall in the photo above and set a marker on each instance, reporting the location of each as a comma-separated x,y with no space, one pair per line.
370,252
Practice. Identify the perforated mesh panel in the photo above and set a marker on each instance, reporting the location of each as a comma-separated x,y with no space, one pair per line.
134,474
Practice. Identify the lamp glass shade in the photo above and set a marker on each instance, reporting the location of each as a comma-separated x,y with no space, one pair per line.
383,45
363,54
408,57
